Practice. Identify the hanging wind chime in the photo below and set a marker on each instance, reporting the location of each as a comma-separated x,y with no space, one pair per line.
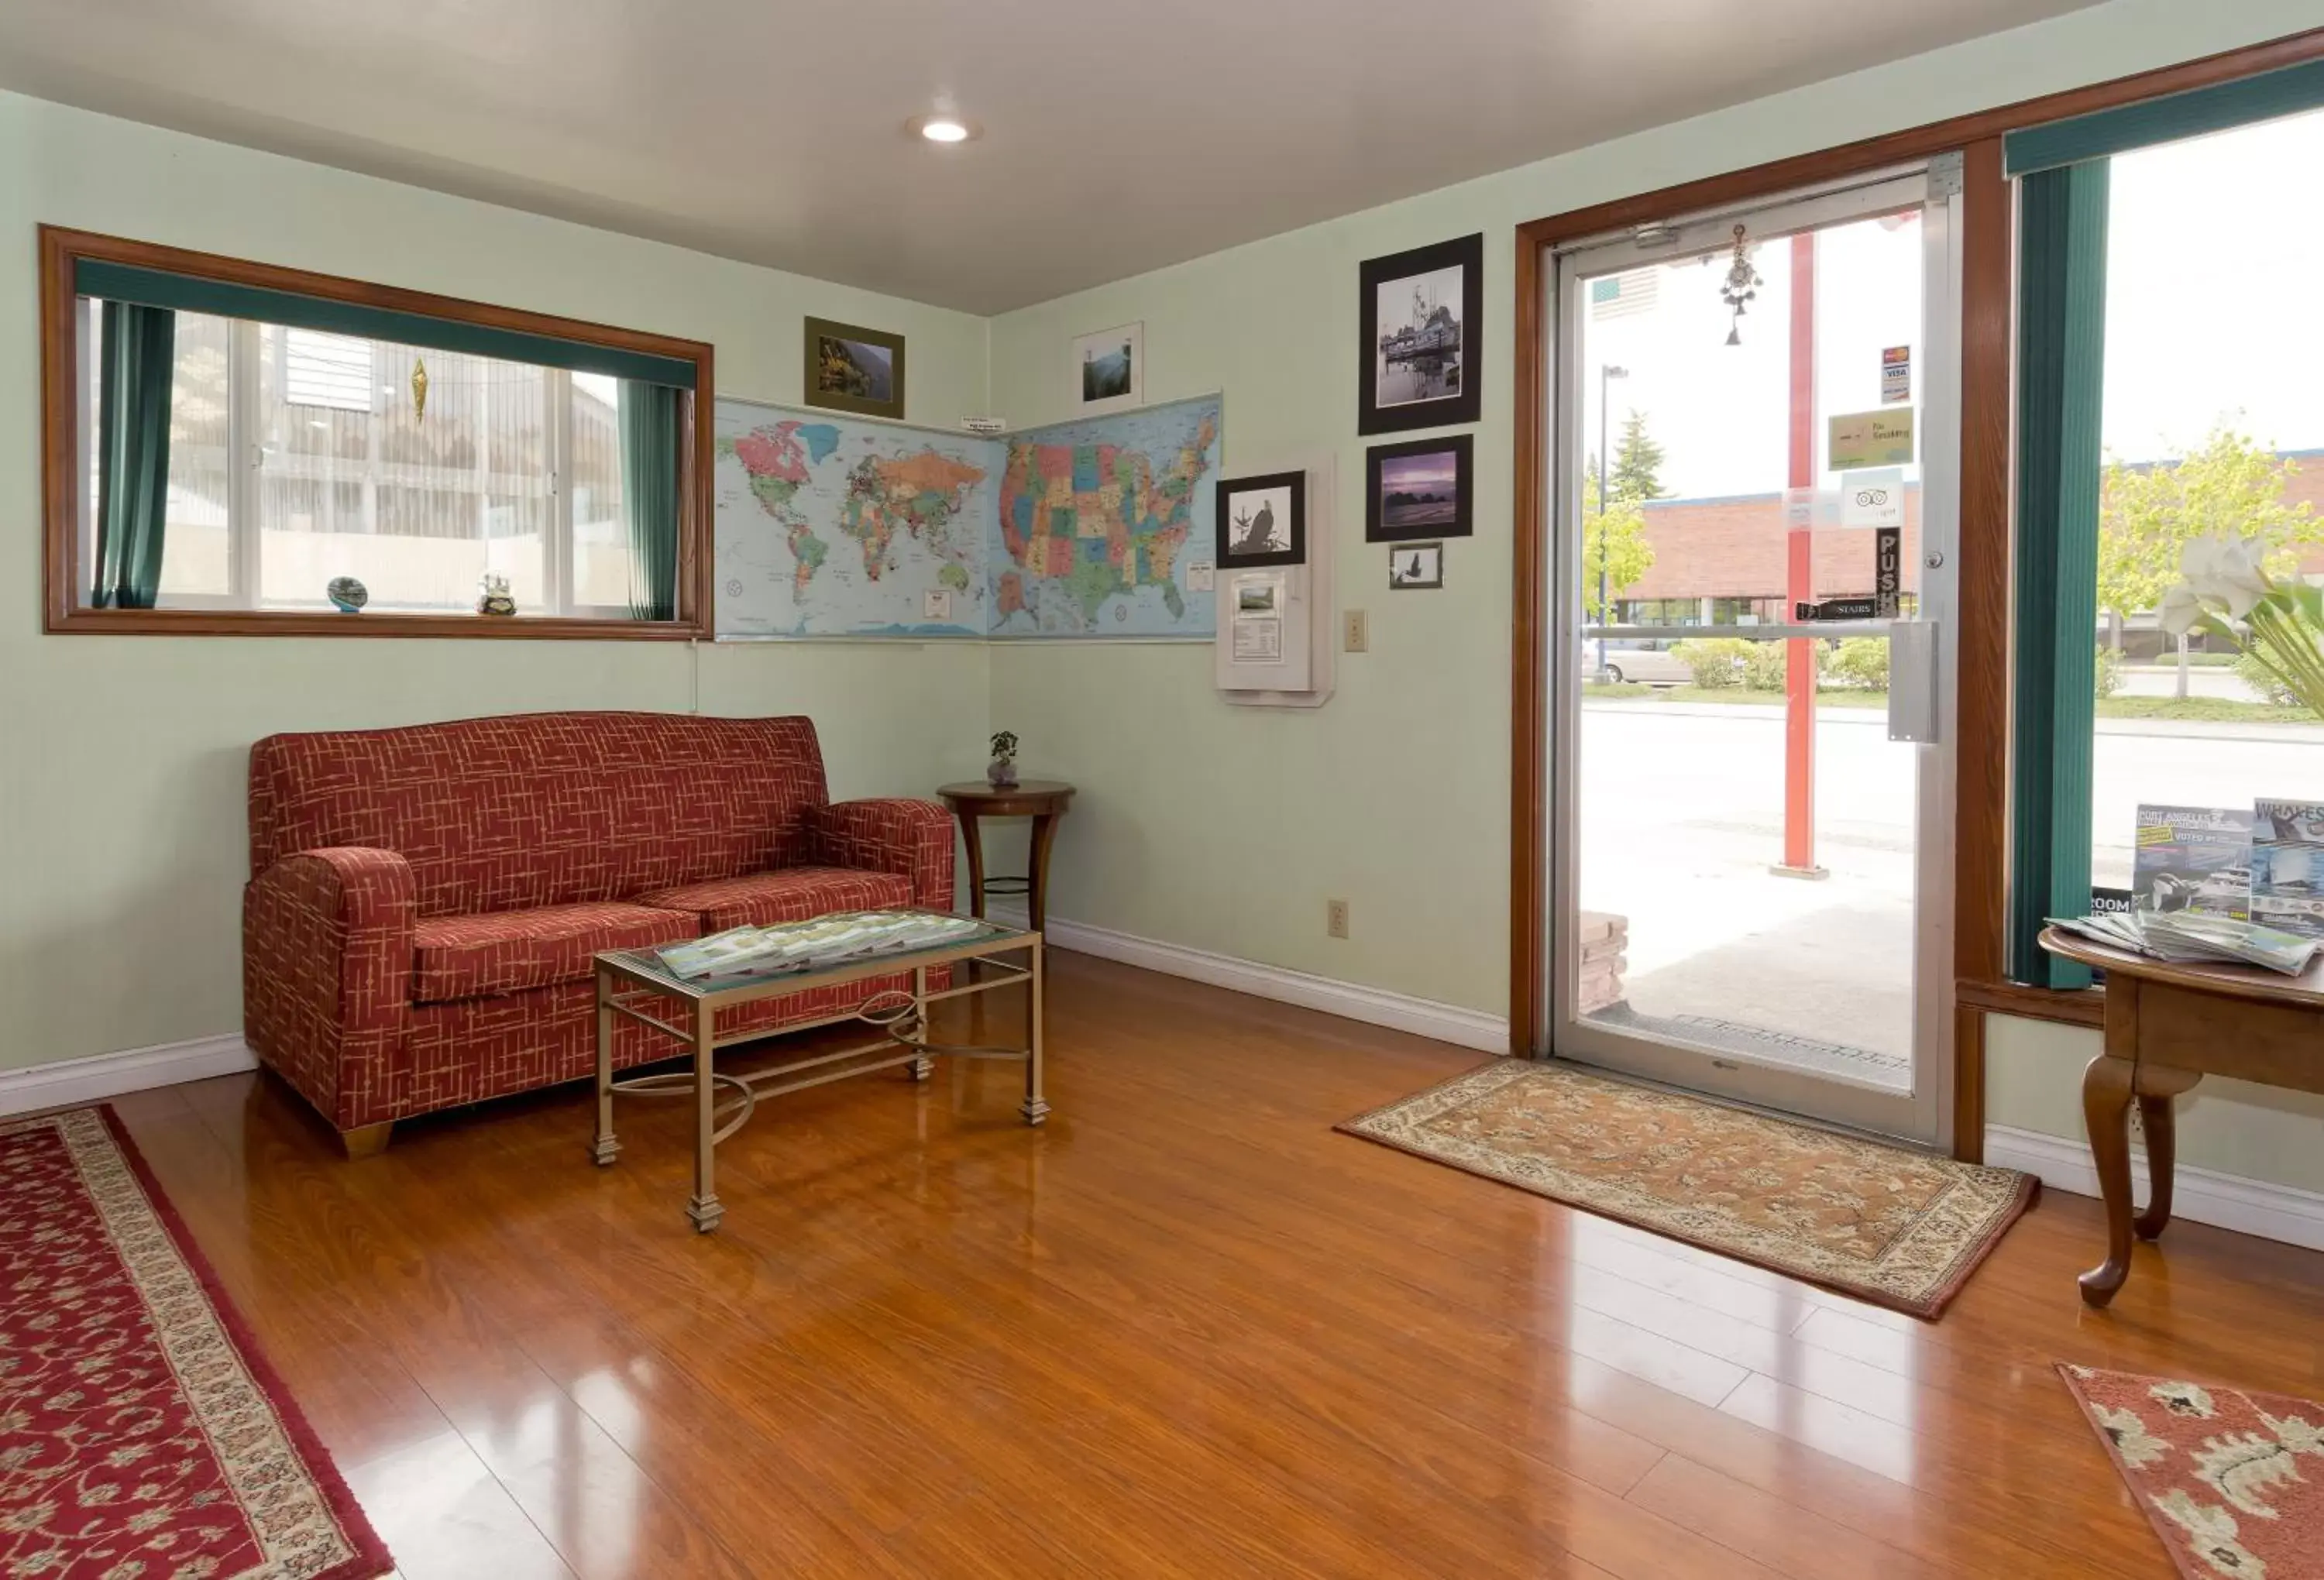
1742,285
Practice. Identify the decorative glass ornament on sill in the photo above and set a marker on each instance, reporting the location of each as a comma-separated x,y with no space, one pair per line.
493,595
347,594
1743,284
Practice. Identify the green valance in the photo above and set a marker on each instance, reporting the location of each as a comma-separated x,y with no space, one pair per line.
2174,116
188,293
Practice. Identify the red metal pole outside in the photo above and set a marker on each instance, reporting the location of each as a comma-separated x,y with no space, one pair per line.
1799,658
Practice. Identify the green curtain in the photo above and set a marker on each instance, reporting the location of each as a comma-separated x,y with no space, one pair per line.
649,418
2061,371
138,362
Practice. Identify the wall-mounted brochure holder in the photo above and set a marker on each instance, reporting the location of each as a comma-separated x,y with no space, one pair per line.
1275,626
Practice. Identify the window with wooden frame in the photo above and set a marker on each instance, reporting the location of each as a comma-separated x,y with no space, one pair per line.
235,448
2162,406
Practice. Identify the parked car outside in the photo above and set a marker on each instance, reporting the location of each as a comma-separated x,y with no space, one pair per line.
1643,666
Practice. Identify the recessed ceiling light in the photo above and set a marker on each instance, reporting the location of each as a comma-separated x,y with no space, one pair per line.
943,128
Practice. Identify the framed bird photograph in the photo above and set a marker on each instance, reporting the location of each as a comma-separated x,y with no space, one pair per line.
1263,520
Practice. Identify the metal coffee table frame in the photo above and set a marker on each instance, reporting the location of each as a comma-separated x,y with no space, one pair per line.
631,981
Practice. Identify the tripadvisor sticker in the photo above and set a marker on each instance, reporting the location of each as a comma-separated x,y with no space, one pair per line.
1862,439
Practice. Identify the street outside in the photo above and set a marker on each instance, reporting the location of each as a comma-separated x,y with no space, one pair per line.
1681,817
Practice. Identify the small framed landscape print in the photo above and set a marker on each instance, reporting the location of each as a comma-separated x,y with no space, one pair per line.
1109,371
1415,565
853,369
1416,490
1263,520
1422,328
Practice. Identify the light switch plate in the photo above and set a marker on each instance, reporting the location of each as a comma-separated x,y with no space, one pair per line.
1359,634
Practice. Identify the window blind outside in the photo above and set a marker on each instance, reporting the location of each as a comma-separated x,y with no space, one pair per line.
157,288
2168,119
2061,376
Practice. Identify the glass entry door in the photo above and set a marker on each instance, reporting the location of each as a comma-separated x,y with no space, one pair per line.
1756,420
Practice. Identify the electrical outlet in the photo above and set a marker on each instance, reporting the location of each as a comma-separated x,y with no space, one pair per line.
1335,918
1359,632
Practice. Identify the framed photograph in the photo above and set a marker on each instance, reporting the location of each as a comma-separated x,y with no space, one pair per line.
1415,565
1417,490
1109,371
1263,520
1422,328
853,369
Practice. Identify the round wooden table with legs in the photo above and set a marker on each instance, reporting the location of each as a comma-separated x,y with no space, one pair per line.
1042,800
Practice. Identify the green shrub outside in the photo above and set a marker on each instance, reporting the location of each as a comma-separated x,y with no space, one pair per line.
1717,663
1860,664
2108,673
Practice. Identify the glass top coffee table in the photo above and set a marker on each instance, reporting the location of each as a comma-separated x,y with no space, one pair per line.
635,984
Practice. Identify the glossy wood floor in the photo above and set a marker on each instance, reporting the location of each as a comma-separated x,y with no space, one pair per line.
1185,1329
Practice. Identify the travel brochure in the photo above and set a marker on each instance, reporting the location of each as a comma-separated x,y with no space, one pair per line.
2192,935
801,946
2217,883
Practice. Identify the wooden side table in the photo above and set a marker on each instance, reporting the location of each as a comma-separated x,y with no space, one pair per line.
2167,1026
1042,800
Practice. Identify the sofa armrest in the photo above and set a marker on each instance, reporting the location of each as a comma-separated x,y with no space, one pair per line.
914,838
326,976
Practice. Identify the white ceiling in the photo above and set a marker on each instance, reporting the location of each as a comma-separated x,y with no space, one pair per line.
1120,135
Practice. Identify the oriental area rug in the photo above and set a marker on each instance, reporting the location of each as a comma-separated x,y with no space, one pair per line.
2232,1482
141,1433
1900,1228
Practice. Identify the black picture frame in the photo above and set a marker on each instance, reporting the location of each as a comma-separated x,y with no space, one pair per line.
1421,584
846,367
1419,526
1460,403
1295,483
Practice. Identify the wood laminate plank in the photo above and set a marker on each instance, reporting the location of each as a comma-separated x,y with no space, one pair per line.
1184,1329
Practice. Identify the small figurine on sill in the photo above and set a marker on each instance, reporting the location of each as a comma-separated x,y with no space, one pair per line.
493,596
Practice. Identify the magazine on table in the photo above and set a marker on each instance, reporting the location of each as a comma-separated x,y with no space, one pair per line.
2185,937
2193,859
799,946
2287,866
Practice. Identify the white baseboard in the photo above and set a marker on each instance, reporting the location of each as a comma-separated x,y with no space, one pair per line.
1424,1017
2200,1196
69,1081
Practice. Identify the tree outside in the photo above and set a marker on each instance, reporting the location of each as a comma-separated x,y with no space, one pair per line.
1614,539
2148,514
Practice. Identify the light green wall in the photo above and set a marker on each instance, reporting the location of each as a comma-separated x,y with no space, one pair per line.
2034,1081
1226,829
122,760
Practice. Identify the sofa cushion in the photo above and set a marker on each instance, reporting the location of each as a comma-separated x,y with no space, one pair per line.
544,808
506,952
791,894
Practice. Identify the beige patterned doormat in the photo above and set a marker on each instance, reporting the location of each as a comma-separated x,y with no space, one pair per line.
1899,1228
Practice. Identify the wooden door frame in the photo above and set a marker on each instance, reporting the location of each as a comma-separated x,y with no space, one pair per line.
1981,753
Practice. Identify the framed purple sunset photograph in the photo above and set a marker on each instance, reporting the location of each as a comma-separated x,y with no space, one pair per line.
1417,490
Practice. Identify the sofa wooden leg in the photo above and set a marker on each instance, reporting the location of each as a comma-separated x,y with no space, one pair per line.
367,1140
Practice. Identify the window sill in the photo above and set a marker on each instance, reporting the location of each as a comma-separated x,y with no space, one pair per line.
242,623
2079,1006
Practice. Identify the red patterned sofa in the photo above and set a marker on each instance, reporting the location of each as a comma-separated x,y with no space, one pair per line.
424,902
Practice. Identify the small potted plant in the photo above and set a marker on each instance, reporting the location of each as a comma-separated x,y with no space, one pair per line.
1002,773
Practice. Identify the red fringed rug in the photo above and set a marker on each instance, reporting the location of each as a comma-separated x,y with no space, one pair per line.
141,1433
2233,1482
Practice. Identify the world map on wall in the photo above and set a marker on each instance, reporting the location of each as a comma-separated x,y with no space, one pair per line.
828,527
834,527
1103,523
